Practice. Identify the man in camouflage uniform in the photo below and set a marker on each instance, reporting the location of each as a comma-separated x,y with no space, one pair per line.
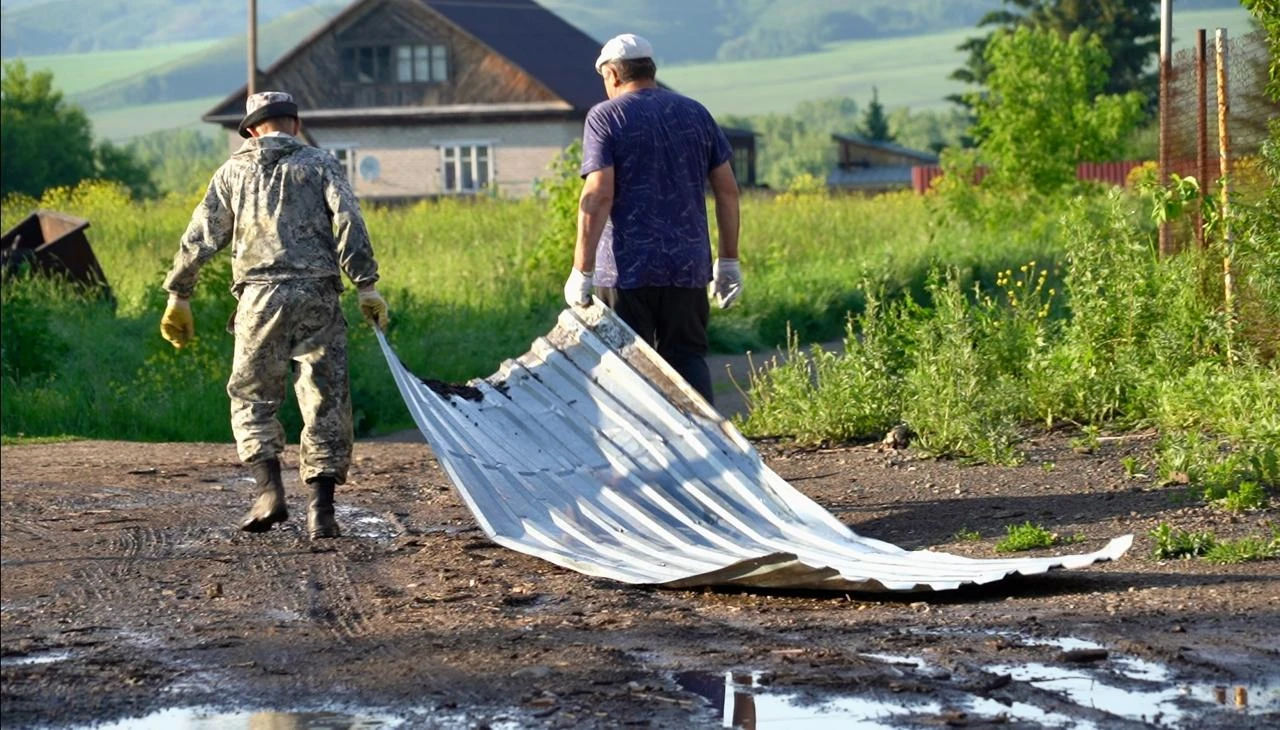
293,224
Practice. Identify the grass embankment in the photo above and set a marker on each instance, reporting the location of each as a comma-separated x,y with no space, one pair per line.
464,295
978,316
1111,337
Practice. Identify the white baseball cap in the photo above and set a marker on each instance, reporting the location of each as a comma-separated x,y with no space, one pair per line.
625,47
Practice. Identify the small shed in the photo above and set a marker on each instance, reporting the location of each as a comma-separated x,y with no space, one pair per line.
53,243
743,142
864,165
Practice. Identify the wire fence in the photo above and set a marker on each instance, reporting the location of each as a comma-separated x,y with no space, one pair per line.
1192,141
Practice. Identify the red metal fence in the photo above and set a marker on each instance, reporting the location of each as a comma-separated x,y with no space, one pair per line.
1114,173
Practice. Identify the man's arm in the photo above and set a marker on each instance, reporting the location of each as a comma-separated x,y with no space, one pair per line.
355,251
724,186
593,213
210,230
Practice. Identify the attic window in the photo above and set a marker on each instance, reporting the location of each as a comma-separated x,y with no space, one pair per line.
366,64
422,64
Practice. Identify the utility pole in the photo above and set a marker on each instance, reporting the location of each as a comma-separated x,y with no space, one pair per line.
253,47
1166,71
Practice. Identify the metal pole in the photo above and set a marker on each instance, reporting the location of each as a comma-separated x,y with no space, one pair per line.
1166,70
1202,133
1224,169
253,47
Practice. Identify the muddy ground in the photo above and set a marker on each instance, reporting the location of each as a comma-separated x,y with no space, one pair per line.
127,590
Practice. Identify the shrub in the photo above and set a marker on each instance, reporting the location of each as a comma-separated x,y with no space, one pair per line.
1026,536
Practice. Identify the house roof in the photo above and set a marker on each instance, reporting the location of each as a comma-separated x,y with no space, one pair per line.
534,39
897,149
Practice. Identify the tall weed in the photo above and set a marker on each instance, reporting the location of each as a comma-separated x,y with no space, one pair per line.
957,401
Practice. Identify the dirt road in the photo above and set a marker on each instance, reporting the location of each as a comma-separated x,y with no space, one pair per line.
126,590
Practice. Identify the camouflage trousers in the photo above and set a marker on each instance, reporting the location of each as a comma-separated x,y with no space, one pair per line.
298,323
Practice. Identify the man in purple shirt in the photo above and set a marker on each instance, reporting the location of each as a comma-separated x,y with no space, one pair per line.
648,154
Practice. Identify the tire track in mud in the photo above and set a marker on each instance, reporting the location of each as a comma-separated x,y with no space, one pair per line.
333,599
312,587
122,563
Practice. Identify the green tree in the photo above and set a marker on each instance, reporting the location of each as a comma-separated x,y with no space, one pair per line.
1045,111
1128,29
180,160
46,142
875,125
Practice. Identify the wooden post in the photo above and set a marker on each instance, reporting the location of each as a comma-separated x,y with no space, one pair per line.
1224,169
253,47
1202,133
1166,70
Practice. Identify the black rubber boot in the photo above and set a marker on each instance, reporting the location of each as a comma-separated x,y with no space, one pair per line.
320,520
269,508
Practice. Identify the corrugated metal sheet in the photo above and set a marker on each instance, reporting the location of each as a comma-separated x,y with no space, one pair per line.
590,452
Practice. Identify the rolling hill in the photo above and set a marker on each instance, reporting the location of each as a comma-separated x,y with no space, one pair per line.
83,26
212,71
170,85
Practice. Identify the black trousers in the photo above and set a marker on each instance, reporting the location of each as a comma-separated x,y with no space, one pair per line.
673,320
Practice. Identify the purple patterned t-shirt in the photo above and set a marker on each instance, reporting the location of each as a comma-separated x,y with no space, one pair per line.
661,146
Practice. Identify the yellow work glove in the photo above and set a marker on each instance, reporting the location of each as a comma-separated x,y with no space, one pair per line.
178,325
374,307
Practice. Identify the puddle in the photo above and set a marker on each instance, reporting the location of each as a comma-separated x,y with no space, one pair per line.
356,522
1121,686
742,703
1159,703
42,657
205,718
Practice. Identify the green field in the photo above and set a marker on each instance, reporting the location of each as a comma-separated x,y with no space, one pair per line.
126,122
78,72
908,72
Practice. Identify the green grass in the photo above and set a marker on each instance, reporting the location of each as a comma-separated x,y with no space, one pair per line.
1245,550
78,72
1026,536
21,440
1172,544
463,297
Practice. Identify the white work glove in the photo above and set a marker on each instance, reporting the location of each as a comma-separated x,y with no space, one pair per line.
726,281
577,290
373,307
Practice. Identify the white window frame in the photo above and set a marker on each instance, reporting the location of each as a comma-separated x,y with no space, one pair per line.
349,164
451,154
427,63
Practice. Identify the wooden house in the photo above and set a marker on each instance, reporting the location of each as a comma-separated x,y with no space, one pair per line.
866,166
423,98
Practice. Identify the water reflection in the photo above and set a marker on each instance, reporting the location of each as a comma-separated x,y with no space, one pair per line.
195,718
204,718
1123,688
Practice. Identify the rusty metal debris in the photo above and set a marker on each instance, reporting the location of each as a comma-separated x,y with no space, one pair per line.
590,452
52,243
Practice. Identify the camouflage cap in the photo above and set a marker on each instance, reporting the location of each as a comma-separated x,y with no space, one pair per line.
266,105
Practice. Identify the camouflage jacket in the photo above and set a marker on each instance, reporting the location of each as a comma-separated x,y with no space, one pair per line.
287,211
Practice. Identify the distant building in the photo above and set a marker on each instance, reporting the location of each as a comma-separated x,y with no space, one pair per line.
874,167
743,142
423,98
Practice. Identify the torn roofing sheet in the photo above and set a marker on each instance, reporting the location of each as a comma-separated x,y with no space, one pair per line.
590,452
